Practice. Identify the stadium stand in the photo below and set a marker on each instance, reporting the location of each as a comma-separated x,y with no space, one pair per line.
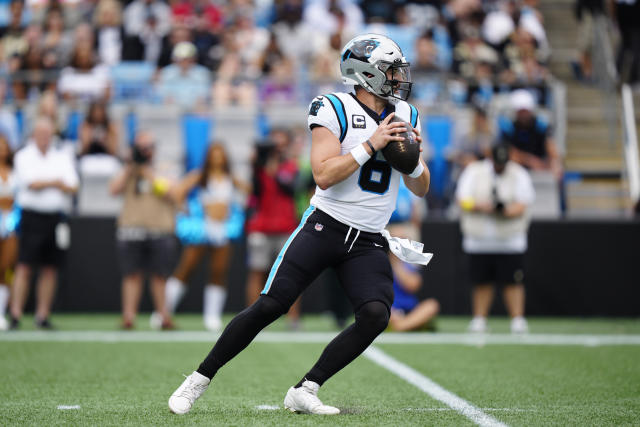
464,53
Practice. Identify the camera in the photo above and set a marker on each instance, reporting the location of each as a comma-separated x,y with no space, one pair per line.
140,157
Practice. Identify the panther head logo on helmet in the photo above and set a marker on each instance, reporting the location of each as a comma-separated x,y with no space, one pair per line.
376,63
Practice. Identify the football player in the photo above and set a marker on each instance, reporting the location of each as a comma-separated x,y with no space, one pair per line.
355,196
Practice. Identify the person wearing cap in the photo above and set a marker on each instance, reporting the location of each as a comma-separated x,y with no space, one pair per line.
528,136
184,82
145,231
494,195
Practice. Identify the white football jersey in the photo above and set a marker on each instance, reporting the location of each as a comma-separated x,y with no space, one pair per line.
367,198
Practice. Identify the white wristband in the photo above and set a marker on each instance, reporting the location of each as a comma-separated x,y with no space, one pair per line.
360,154
417,171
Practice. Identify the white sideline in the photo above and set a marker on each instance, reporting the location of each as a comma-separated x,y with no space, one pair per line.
433,389
324,337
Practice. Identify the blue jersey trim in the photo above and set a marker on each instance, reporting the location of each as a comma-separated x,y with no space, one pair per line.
276,264
414,115
341,113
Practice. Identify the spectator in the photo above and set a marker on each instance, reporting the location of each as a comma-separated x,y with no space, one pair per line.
627,16
206,38
84,34
179,33
326,60
146,22
494,195
216,189
250,41
234,82
499,24
521,48
8,240
145,231
528,136
48,107
458,14
531,21
8,122
98,134
426,54
474,144
376,11
472,51
32,75
46,180
279,84
57,42
84,78
294,35
586,11
190,12
12,38
184,82
275,215
110,38
330,16
407,312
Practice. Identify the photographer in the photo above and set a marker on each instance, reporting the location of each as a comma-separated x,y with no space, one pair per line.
274,217
494,195
145,231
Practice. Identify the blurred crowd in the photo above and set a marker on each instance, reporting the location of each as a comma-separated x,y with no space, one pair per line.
65,64
200,52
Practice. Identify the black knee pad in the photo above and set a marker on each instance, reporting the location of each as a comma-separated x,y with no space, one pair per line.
267,307
373,317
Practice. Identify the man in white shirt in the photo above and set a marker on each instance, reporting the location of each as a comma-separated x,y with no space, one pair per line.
46,180
494,195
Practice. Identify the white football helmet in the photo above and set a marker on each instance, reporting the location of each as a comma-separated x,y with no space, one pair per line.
366,61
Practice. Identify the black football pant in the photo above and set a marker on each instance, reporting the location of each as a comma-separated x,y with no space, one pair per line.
359,258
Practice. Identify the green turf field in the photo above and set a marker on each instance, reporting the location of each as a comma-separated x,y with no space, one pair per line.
116,382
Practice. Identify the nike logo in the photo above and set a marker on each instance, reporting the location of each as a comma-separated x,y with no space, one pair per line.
377,245
389,53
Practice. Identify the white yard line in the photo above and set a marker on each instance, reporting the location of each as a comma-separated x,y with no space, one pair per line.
68,407
324,337
431,388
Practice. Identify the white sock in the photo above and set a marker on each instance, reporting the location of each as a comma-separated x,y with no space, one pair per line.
214,299
173,293
4,298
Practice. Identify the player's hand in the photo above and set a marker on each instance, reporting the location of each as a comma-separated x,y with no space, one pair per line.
486,208
418,136
386,133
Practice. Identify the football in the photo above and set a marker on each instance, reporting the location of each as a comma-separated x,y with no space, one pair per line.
403,155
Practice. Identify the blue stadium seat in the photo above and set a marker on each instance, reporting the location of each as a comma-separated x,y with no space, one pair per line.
404,37
130,126
73,125
439,133
132,81
196,131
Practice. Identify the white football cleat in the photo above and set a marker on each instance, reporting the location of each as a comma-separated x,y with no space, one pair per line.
155,321
519,325
305,400
189,391
213,323
4,324
478,325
